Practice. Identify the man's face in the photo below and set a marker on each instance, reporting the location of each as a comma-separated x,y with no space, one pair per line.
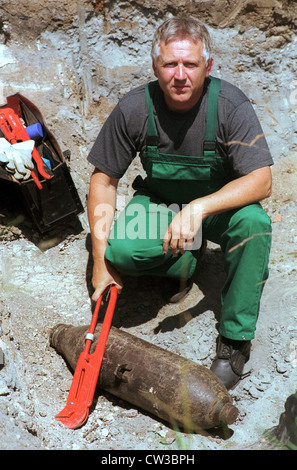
181,71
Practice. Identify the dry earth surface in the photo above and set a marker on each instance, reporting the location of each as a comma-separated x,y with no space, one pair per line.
74,60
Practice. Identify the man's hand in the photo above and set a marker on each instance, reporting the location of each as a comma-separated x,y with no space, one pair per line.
104,275
183,229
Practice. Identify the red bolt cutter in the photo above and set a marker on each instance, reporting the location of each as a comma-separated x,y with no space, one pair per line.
87,370
14,131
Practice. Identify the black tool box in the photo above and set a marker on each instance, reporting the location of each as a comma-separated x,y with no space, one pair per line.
57,202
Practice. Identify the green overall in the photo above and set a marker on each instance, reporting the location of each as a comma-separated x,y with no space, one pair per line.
135,245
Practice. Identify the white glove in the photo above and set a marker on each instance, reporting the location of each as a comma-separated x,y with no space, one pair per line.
17,158
4,145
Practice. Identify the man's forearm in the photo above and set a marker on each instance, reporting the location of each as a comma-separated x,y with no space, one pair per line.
248,189
101,208
238,193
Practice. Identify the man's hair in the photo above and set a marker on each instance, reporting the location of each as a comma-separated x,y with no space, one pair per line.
181,28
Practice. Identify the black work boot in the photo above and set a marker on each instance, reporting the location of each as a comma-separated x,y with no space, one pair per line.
175,291
229,361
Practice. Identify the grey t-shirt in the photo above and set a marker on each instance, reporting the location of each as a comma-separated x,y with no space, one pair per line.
239,141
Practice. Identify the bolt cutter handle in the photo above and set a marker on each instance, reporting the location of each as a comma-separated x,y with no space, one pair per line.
87,370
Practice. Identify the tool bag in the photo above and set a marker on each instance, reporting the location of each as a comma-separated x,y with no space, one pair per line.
49,195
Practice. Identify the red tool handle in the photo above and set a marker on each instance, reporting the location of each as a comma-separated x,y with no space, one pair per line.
87,370
95,359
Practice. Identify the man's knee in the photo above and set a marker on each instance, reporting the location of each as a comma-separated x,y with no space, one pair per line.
251,220
120,254
135,257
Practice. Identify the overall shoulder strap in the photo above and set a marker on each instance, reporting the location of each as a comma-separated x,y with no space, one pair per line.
152,133
211,118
